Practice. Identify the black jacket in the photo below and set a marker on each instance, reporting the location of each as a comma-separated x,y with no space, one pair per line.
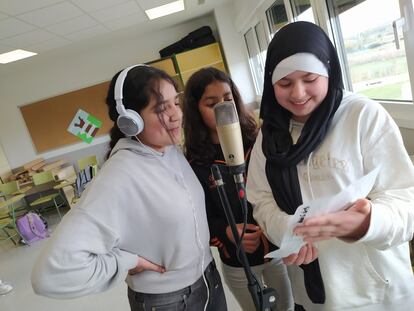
216,216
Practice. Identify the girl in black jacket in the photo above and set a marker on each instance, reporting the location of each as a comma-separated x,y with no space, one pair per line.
203,91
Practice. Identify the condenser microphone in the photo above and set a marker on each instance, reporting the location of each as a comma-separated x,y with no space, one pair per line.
230,137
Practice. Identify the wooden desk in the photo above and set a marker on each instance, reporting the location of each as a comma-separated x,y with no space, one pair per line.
38,191
9,203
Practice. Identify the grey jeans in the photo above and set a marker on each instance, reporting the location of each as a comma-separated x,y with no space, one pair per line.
190,298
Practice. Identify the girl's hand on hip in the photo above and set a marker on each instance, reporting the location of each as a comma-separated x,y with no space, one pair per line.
144,264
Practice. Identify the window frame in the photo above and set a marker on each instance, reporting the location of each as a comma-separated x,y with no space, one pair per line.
402,112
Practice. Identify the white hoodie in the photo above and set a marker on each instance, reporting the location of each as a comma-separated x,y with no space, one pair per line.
141,204
373,273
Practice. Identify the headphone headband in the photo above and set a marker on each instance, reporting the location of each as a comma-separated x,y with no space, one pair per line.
129,121
119,85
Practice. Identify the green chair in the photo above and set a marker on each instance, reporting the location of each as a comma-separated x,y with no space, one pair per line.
11,189
40,179
84,162
8,219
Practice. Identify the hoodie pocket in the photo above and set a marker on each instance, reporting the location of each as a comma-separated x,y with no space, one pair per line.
350,278
371,268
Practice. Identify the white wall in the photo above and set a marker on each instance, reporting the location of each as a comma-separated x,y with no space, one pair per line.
4,165
246,10
64,70
408,137
235,52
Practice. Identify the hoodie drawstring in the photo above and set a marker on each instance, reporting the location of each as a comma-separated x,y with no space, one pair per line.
308,174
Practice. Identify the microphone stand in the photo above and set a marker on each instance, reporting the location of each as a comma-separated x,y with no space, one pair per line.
264,298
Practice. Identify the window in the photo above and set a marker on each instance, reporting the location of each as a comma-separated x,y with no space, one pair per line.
261,40
374,47
302,10
255,59
276,16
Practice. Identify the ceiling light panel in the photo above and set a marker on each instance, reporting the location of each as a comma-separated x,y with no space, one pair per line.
166,9
15,55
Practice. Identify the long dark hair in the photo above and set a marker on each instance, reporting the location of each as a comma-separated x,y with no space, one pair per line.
197,143
141,84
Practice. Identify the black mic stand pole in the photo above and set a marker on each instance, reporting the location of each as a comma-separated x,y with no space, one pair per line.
264,298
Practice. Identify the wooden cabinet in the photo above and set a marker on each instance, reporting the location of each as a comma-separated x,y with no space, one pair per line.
182,65
169,66
206,56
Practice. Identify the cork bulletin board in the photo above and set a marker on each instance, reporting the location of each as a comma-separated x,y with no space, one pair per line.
48,120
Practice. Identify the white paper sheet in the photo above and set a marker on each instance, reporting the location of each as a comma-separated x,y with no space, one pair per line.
359,189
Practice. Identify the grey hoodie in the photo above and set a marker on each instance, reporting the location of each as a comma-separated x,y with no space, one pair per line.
141,204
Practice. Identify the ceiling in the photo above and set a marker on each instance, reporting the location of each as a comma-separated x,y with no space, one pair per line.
42,25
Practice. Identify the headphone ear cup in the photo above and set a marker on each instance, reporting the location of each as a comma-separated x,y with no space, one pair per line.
130,123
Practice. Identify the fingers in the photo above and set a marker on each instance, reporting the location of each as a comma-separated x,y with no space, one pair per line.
144,264
156,268
311,234
306,254
251,227
253,236
349,224
290,260
311,254
251,241
250,245
323,220
362,206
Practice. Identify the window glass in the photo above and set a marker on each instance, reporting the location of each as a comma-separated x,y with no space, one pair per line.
261,39
276,16
377,63
302,10
255,59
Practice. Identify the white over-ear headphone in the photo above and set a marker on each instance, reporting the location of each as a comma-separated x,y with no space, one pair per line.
129,121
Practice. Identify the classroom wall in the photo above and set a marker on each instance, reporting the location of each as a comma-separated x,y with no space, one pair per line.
408,137
245,10
5,170
66,69
234,45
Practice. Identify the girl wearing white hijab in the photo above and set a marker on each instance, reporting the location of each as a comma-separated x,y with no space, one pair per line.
317,139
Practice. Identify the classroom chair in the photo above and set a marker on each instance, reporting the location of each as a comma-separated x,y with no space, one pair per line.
67,178
40,179
11,189
8,219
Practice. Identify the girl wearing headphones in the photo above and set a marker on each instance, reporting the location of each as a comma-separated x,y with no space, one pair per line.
203,91
143,216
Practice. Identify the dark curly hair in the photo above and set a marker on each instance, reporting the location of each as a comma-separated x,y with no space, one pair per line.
141,84
198,146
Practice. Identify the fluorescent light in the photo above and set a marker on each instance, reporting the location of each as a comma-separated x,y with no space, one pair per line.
15,55
165,9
